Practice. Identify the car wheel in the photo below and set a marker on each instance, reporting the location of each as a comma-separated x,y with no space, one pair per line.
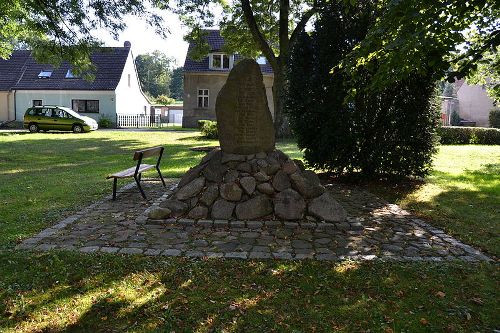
77,129
33,128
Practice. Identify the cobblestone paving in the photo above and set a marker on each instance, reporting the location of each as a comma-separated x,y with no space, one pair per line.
374,230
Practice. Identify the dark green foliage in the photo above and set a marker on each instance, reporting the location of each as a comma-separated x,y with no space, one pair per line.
495,118
177,83
104,122
343,126
451,135
154,71
455,118
208,129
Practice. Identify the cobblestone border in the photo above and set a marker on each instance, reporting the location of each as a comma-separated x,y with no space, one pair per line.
353,227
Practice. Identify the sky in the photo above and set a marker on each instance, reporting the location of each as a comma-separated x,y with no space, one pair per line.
144,39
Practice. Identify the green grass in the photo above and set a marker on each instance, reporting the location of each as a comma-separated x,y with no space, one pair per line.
44,177
462,195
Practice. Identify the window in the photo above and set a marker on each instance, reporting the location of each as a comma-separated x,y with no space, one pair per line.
220,61
203,98
261,60
45,74
70,75
85,105
37,102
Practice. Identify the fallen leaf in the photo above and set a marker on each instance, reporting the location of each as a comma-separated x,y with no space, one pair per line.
440,294
477,300
424,321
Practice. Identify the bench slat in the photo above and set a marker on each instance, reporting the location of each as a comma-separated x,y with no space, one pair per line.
147,152
130,171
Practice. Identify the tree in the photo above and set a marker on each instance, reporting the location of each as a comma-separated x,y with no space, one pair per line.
254,27
61,30
389,132
154,71
177,83
413,36
487,73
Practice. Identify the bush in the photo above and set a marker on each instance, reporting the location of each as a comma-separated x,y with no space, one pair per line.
451,135
387,132
209,129
104,122
495,118
455,118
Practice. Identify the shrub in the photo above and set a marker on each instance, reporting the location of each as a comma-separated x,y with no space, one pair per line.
104,122
495,118
389,132
455,118
451,135
209,129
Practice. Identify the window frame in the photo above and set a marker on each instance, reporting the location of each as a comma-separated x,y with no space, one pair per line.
230,61
203,96
33,104
86,108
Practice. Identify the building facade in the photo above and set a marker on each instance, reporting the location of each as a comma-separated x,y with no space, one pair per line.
115,89
204,79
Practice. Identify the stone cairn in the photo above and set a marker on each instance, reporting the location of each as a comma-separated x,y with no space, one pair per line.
247,178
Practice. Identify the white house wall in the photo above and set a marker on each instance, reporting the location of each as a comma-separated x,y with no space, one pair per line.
474,104
129,98
107,101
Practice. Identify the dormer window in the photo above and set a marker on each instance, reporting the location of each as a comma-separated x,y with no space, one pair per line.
221,61
45,74
70,75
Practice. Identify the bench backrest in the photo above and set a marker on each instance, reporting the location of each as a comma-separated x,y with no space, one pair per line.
140,154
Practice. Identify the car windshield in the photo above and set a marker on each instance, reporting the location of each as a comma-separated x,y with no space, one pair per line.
71,112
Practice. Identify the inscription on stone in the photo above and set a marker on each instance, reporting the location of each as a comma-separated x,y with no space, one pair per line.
243,117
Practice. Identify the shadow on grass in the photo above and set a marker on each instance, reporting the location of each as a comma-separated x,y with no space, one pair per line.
70,292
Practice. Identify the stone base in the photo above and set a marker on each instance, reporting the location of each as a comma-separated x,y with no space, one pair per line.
263,186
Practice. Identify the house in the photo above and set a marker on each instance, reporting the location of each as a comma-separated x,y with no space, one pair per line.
470,101
115,89
204,79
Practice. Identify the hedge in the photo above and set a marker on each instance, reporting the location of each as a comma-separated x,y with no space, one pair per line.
456,135
208,129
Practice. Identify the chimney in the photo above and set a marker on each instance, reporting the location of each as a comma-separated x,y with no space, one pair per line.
127,44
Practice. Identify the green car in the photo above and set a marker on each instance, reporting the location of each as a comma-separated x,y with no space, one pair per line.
48,118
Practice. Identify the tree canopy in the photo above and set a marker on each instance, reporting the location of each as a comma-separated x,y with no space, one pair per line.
155,73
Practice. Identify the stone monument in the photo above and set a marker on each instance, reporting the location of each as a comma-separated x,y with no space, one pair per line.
247,178
243,116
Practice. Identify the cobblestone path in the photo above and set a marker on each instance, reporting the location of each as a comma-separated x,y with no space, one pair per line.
374,230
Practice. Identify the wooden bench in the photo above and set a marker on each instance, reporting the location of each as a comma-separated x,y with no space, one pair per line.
136,171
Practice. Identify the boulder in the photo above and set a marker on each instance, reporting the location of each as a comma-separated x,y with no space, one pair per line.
290,167
281,181
231,192
227,157
244,120
261,177
305,187
265,188
191,189
289,205
191,175
159,213
326,208
248,184
231,176
312,177
222,210
244,167
198,212
175,206
254,208
209,195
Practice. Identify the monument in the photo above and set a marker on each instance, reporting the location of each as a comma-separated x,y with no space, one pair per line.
247,178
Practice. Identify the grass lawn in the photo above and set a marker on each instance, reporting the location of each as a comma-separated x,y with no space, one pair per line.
44,177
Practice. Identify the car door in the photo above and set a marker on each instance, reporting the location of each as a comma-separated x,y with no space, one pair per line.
65,120
43,118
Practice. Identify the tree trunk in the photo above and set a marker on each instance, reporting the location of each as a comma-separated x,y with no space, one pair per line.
281,125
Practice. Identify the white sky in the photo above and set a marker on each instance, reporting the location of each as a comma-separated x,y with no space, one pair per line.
145,40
